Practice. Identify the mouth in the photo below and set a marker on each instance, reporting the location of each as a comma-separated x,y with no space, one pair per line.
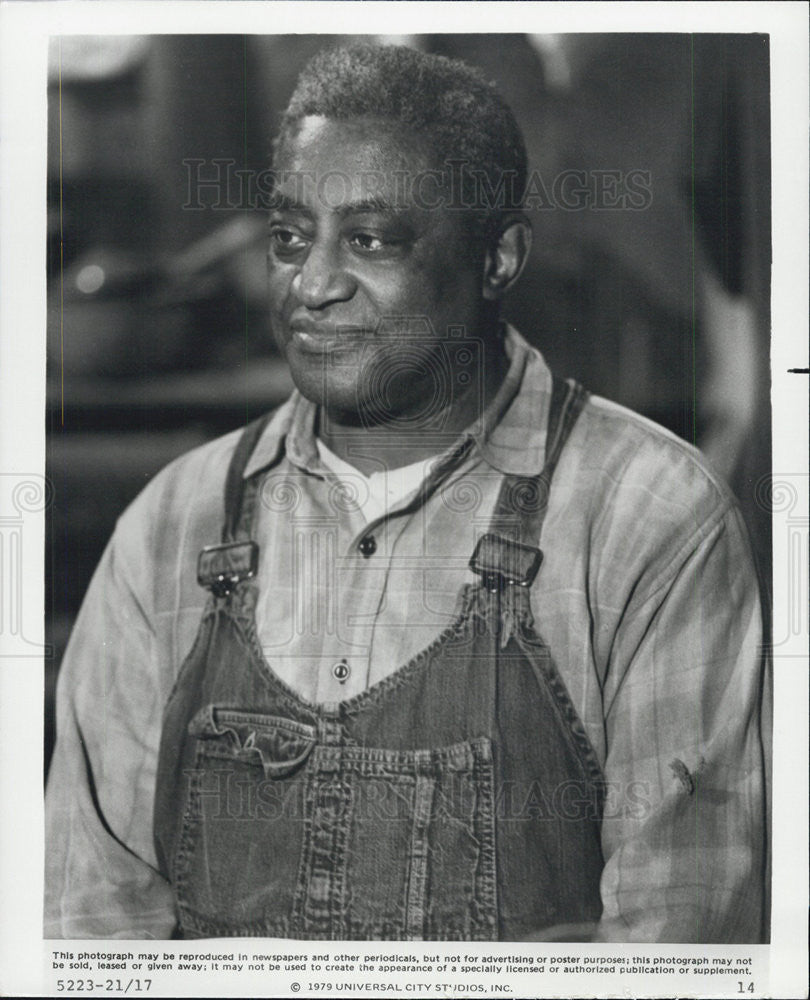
313,338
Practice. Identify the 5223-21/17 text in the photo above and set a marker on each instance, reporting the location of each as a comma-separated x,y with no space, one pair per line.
103,985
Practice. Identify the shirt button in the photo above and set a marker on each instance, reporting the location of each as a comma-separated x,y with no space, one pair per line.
341,671
368,546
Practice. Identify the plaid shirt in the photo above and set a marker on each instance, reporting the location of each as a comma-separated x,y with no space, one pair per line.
647,600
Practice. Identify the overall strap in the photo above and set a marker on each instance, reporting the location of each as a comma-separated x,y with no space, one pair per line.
567,400
220,568
509,552
235,481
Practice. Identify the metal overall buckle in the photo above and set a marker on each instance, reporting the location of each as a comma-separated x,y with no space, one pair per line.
501,562
221,567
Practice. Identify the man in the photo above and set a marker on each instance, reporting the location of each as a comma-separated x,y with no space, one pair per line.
442,649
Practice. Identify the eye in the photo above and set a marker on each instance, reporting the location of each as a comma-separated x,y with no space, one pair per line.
285,241
367,242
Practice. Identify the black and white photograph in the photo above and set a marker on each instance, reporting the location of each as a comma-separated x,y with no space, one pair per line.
410,504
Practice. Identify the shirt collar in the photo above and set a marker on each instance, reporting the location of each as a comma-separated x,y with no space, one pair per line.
513,438
510,435
292,428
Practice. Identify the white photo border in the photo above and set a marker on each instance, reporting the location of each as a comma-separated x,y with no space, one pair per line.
26,28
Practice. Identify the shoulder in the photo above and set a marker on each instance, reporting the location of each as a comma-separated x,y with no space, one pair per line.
629,457
615,455
640,502
195,482
158,537
191,484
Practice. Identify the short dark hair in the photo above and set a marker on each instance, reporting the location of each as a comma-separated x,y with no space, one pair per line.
462,112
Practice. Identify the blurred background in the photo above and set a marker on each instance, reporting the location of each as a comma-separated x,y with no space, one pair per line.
157,338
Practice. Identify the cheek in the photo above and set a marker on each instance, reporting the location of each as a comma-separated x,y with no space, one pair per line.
279,279
419,288
448,274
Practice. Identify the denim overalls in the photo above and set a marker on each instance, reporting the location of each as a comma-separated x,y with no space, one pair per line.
456,799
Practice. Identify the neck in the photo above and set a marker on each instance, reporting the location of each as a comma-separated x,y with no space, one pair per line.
393,443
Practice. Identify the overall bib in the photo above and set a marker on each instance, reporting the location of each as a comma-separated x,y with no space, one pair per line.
457,799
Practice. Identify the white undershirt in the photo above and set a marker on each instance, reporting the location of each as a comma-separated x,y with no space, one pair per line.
380,491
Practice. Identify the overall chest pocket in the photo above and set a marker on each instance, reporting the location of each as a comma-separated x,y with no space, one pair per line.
238,855
285,836
400,845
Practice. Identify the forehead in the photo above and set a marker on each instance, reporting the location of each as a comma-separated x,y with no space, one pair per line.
352,158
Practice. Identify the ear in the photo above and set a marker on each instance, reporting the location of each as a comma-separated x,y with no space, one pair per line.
506,256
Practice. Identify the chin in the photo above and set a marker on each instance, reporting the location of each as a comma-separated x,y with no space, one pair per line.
336,397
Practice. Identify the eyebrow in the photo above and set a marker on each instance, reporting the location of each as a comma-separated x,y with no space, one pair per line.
284,203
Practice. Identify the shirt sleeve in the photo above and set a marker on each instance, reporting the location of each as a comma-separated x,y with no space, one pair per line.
685,820
101,878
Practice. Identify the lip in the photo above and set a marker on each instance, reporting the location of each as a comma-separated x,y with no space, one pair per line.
315,338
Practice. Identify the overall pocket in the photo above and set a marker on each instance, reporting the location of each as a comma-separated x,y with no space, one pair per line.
285,836
400,844
238,855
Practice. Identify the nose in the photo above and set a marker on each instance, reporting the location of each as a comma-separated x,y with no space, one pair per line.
321,279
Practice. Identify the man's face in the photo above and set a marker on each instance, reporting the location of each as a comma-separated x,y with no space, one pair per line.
365,276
